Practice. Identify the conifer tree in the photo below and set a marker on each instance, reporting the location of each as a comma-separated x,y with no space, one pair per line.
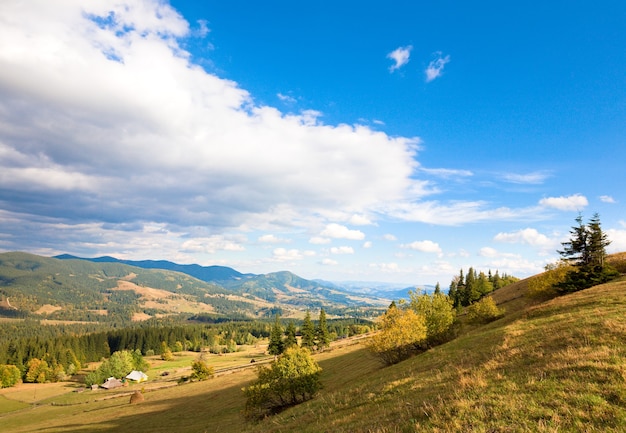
308,332
276,346
586,250
290,333
321,333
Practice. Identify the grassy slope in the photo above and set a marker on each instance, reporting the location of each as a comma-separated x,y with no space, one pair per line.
555,366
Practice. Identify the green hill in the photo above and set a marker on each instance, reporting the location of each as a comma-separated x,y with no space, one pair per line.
554,366
109,290
82,290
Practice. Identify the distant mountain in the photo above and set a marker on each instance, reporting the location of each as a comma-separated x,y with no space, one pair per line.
392,291
286,287
214,274
281,288
74,289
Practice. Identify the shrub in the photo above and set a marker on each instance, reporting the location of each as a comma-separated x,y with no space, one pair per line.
439,313
201,371
484,311
10,375
293,378
402,332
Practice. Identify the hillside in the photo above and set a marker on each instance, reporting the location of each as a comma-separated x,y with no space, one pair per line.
83,290
106,289
212,274
284,288
548,366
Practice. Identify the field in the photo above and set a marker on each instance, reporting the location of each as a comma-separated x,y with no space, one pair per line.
212,405
555,366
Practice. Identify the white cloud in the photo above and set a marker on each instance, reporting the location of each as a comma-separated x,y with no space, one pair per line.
342,250
286,98
423,246
528,236
386,267
100,103
367,244
447,172
457,212
607,199
284,255
400,56
536,177
360,220
390,237
488,252
618,240
569,203
435,67
329,262
337,231
272,239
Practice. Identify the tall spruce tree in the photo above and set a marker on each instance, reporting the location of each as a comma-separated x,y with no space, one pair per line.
586,250
276,346
321,333
290,336
308,332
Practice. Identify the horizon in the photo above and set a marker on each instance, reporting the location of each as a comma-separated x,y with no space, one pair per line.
394,143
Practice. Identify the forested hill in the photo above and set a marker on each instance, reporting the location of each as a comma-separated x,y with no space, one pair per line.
83,290
282,288
215,274
96,291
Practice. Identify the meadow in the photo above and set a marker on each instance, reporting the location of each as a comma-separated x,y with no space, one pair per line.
552,366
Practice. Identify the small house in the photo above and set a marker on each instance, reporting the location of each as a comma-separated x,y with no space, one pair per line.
137,376
111,383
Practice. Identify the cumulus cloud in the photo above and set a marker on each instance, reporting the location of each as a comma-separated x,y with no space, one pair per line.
617,238
104,117
342,250
528,236
272,239
390,237
435,67
284,255
569,203
360,220
337,231
400,56
423,246
607,199
329,262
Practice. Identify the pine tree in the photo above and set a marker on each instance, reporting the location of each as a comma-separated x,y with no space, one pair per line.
586,250
597,242
308,332
321,333
276,345
290,333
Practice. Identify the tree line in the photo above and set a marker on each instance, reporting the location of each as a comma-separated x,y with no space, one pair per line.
471,287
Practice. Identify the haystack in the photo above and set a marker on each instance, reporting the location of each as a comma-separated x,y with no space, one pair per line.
136,397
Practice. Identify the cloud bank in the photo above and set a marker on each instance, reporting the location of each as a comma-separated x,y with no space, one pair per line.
104,118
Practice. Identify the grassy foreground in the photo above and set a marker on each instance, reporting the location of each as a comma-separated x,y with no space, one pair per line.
558,366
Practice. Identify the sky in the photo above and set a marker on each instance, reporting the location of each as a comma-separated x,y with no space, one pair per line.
395,141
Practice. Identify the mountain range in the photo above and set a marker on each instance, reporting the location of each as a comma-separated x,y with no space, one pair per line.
106,288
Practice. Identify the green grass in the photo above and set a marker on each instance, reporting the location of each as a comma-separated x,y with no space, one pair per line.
8,405
556,366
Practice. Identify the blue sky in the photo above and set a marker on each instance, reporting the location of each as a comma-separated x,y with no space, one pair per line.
373,141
